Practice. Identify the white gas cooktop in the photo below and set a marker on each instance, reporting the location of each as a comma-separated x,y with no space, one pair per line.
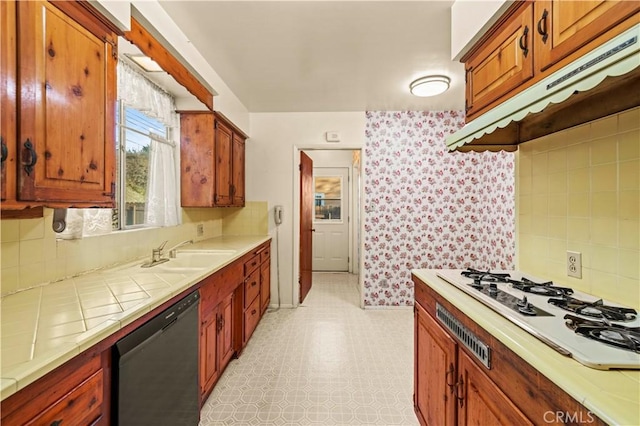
549,324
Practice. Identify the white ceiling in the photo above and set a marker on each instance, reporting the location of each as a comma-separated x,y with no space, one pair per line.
314,56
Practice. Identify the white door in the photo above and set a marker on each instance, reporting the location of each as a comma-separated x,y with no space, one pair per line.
331,219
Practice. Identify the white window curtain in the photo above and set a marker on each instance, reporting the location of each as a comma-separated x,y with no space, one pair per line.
138,92
162,196
162,190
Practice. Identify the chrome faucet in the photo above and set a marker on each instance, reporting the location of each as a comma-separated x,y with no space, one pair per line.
172,250
156,256
156,253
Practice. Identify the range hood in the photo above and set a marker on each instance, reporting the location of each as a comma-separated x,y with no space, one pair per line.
603,82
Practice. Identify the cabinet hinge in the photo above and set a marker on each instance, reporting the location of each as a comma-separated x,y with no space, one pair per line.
111,194
114,46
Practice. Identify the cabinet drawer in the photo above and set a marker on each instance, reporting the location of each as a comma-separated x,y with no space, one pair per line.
251,318
208,295
251,287
81,406
265,254
251,264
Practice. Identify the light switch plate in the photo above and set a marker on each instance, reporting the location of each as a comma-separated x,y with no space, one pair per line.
574,264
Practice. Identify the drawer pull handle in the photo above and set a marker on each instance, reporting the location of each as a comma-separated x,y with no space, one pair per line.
460,385
33,158
523,42
542,26
450,372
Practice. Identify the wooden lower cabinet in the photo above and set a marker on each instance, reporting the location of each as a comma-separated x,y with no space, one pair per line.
452,387
435,361
265,285
76,393
480,401
216,345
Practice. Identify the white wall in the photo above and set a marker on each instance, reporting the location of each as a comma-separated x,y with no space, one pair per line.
272,175
470,19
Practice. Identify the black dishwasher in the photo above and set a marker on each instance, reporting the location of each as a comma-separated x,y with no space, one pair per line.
156,370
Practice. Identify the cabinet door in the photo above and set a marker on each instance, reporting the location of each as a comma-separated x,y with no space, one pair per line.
562,27
208,351
502,64
265,285
224,146
237,168
197,175
480,401
8,99
81,406
225,343
435,362
67,106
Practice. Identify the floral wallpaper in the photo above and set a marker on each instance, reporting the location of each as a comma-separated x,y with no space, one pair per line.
428,208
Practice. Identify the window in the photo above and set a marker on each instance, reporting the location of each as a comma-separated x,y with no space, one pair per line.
135,133
328,198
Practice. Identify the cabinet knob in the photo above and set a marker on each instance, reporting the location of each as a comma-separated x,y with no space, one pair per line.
253,312
542,26
56,423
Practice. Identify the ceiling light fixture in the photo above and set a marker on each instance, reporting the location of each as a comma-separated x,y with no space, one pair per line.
430,85
145,62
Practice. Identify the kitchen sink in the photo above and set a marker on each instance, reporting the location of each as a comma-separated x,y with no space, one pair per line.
188,261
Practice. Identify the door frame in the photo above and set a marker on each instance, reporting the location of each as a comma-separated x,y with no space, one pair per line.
356,210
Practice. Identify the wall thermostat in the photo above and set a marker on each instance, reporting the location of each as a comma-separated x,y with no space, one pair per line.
332,136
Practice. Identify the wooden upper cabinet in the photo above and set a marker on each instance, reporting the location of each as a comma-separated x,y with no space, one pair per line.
534,39
197,176
563,27
212,161
237,178
224,146
503,63
67,93
8,108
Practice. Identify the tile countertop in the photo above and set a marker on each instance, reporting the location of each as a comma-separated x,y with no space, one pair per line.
614,395
43,327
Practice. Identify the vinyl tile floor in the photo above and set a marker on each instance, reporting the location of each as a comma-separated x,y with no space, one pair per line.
328,362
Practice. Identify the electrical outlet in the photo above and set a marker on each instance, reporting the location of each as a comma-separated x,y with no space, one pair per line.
200,230
574,264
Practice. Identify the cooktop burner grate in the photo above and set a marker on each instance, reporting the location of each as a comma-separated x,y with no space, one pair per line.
595,309
612,334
